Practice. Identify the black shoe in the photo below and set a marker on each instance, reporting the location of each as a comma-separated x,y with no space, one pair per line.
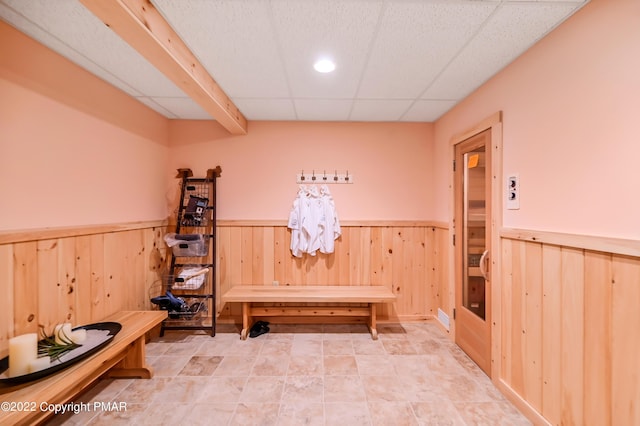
177,303
162,301
259,328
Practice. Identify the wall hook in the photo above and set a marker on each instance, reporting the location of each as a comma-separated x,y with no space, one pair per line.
324,177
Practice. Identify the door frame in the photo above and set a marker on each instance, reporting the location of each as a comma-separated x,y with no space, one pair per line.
476,339
493,123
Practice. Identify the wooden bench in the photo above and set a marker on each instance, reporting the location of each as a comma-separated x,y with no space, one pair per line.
248,294
124,356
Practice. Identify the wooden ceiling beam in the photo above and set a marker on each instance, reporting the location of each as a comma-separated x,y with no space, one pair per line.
142,26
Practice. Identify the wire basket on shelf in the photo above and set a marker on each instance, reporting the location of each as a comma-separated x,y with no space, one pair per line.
196,202
193,309
181,307
188,278
188,245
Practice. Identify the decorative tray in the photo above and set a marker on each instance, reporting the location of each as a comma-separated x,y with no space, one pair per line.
98,336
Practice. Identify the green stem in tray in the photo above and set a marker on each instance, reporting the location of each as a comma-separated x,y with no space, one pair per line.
48,346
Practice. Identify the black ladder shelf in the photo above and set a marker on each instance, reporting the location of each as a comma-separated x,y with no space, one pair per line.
192,276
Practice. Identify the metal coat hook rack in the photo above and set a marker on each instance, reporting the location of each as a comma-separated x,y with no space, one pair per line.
324,177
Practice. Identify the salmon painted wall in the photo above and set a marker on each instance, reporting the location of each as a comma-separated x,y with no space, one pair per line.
571,106
73,149
390,164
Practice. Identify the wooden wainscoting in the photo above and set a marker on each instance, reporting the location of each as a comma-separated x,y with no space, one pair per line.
78,275
570,321
84,274
409,257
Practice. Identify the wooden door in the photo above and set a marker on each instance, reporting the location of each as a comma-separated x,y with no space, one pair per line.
472,223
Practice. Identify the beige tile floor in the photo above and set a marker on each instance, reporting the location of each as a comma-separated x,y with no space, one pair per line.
304,375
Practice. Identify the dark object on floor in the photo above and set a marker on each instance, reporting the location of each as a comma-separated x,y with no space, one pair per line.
169,302
259,328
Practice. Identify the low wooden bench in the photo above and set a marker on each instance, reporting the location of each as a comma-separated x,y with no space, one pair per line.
124,356
248,294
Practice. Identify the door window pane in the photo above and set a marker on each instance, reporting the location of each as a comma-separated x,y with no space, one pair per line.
473,295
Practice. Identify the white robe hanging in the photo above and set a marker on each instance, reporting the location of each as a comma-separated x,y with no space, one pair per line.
329,223
296,218
313,221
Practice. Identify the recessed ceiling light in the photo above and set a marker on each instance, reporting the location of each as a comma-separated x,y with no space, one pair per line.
324,65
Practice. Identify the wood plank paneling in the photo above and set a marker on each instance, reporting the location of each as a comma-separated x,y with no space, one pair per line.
386,268
594,243
432,292
51,305
575,358
572,323
67,277
281,250
6,293
98,295
597,337
20,236
268,255
532,321
625,348
79,279
445,299
420,296
518,313
395,256
25,287
506,313
551,333
399,285
89,275
82,288
223,242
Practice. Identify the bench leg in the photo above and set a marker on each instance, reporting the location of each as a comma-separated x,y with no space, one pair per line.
246,319
372,321
134,362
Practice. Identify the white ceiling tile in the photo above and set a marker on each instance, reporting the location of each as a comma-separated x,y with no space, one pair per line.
29,28
266,109
183,107
511,30
234,40
415,41
323,109
308,30
379,109
84,35
156,107
427,111
388,52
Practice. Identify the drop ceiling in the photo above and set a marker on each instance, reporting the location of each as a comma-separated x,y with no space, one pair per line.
396,60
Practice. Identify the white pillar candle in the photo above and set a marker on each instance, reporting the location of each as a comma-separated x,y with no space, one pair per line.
22,350
39,364
79,336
